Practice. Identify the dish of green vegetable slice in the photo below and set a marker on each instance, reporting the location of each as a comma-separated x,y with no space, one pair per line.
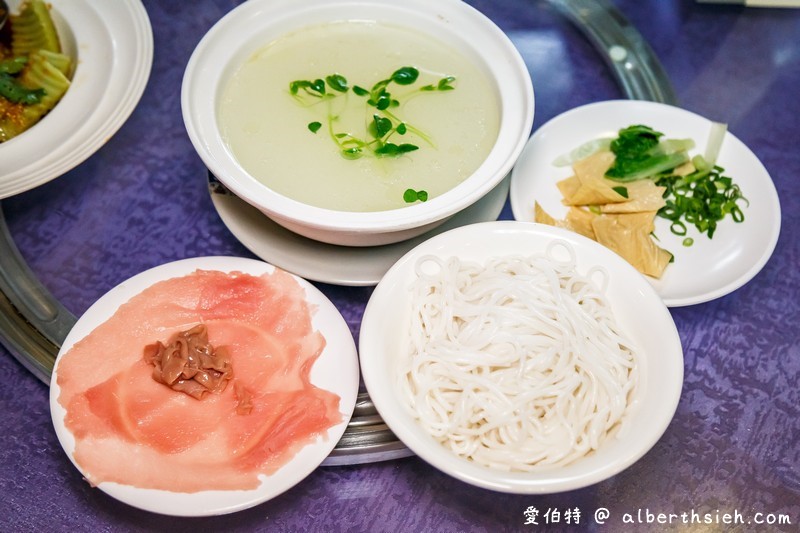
721,217
34,73
106,51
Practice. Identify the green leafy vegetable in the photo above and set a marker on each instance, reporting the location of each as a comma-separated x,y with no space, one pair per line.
411,196
639,154
382,100
635,140
16,93
444,84
701,198
622,191
384,123
715,138
405,76
33,71
380,126
13,65
337,83
391,149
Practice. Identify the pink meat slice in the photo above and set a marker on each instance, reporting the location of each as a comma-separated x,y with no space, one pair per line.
133,430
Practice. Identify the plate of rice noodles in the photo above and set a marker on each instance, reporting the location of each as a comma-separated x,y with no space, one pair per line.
520,357
71,73
678,195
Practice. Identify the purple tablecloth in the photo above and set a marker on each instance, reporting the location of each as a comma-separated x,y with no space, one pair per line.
732,447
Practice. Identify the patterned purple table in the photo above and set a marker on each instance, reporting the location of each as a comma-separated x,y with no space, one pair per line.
142,200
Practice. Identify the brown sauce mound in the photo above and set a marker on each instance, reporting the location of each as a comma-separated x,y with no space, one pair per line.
189,363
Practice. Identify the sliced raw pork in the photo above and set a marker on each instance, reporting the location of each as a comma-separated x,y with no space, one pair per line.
133,430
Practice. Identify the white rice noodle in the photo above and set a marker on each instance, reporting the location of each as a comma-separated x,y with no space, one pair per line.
517,364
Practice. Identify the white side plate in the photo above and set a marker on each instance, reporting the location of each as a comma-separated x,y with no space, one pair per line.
336,370
708,269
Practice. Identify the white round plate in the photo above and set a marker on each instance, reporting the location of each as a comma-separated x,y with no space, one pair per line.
336,370
112,43
328,263
639,313
638,310
708,269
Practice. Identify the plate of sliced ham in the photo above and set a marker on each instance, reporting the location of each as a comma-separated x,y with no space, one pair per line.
204,386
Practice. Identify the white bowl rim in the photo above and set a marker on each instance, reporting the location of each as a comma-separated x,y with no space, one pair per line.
199,118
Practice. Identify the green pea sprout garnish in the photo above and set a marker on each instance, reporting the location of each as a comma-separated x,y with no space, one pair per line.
383,121
384,125
411,196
